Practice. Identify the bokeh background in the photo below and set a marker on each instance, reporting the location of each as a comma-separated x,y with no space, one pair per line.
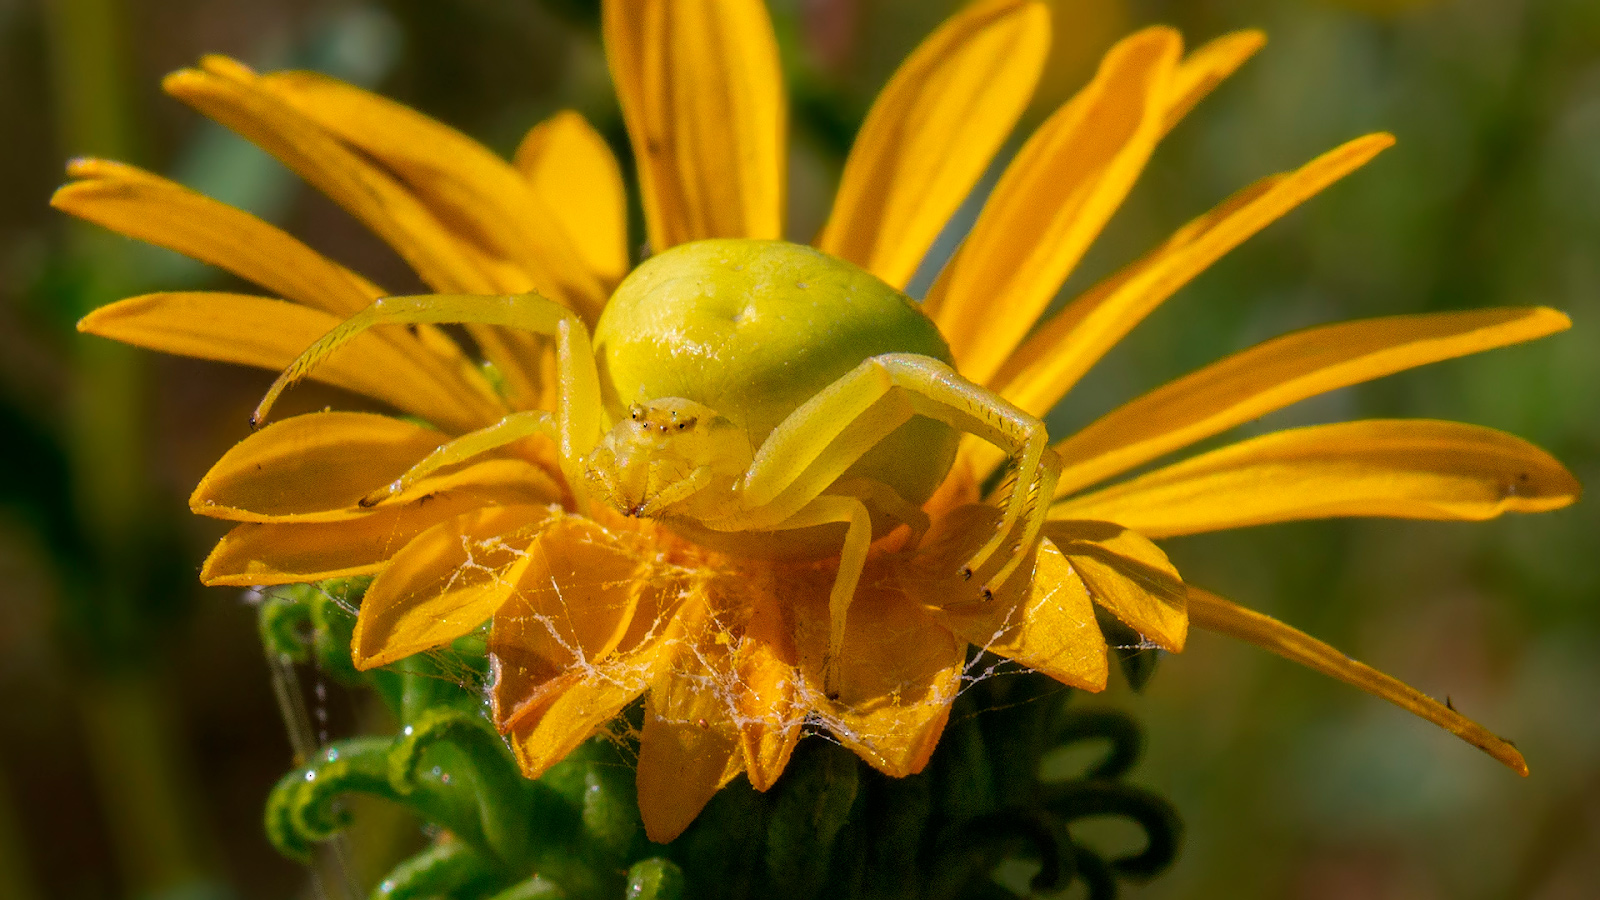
138,734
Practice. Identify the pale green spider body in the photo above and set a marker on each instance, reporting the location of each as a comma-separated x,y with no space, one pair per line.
752,330
757,397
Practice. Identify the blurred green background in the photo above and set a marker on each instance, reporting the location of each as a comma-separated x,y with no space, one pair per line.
138,735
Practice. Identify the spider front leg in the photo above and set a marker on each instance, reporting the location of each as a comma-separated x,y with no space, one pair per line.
510,429
577,421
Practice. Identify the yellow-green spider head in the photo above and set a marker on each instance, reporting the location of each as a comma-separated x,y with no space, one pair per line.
734,335
668,452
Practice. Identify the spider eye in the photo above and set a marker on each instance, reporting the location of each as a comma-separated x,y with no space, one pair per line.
682,425
635,412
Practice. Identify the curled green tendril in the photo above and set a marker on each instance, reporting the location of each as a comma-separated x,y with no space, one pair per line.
1121,732
978,845
1154,815
471,756
446,869
304,807
1031,812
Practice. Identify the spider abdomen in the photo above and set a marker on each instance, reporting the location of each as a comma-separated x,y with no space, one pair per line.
753,329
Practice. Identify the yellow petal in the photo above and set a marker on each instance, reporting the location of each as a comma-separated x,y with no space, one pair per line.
1213,613
575,605
702,95
769,681
898,669
1042,371
1052,202
592,624
270,334
932,132
436,248
574,713
689,746
1405,469
150,208
1276,373
320,461
227,92
318,467
445,582
273,553
1207,67
1051,629
574,173
1127,575
460,180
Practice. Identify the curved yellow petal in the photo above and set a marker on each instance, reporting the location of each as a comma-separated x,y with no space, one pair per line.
769,687
270,334
1052,202
277,553
147,207
1207,67
320,483
1053,359
584,590
460,180
232,94
150,208
932,132
703,99
1405,469
575,709
1050,630
592,624
445,582
573,171
1276,373
897,672
311,463
228,92
1127,575
1213,613
689,746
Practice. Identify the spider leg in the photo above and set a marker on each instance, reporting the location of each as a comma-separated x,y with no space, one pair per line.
578,414
508,430
672,493
830,509
814,446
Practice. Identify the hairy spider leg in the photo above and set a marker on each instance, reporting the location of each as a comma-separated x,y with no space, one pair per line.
578,409
512,428
817,442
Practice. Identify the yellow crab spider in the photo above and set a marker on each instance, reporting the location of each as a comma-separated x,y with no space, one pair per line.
755,397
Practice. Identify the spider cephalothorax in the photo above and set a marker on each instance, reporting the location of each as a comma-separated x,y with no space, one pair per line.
669,452
757,397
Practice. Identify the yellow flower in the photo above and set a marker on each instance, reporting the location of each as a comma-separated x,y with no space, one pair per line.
590,610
